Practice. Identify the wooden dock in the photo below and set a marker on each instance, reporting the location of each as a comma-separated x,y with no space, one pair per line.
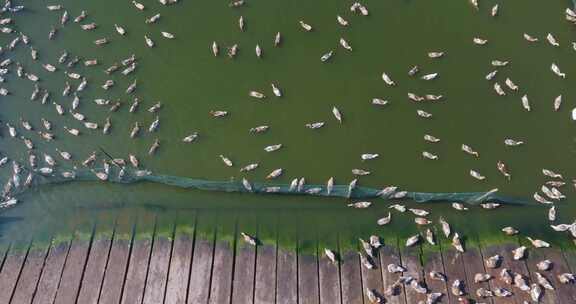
128,266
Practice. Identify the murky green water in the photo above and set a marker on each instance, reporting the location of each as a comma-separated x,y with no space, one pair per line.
190,82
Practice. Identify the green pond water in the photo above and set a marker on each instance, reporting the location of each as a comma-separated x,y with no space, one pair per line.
190,81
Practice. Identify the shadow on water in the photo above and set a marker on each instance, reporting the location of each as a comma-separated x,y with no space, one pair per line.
6,221
305,222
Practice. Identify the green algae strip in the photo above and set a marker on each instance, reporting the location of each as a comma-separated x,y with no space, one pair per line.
145,226
105,225
205,226
328,241
287,233
185,226
247,222
124,227
226,229
267,227
348,238
20,247
165,225
280,226
307,238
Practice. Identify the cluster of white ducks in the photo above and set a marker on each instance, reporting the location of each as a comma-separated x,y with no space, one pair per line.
357,7
550,190
70,106
504,282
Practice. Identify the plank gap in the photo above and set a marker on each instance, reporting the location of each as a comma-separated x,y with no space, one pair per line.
192,255
169,262
255,263
86,261
150,257
234,248
212,264
276,253
63,267
361,278
482,257
128,260
107,259
441,255
4,256
41,269
20,271
340,255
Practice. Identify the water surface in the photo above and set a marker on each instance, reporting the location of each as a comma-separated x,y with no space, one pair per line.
190,81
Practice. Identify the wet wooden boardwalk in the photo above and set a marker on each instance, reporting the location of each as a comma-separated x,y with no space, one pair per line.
193,267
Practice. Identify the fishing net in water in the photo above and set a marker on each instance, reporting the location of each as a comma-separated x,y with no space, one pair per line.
129,176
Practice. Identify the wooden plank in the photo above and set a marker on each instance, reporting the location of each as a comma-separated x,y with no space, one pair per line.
516,267
221,282
474,264
308,279
26,287
432,259
265,282
329,276
203,255
350,273
489,251
159,264
73,270
3,252
13,265
570,258
534,256
245,262
181,261
117,261
265,286
454,266
50,278
96,265
411,260
243,283
287,262
158,271
200,275
287,270
372,278
139,260
564,293
505,250
94,275
329,273
390,254
308,291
